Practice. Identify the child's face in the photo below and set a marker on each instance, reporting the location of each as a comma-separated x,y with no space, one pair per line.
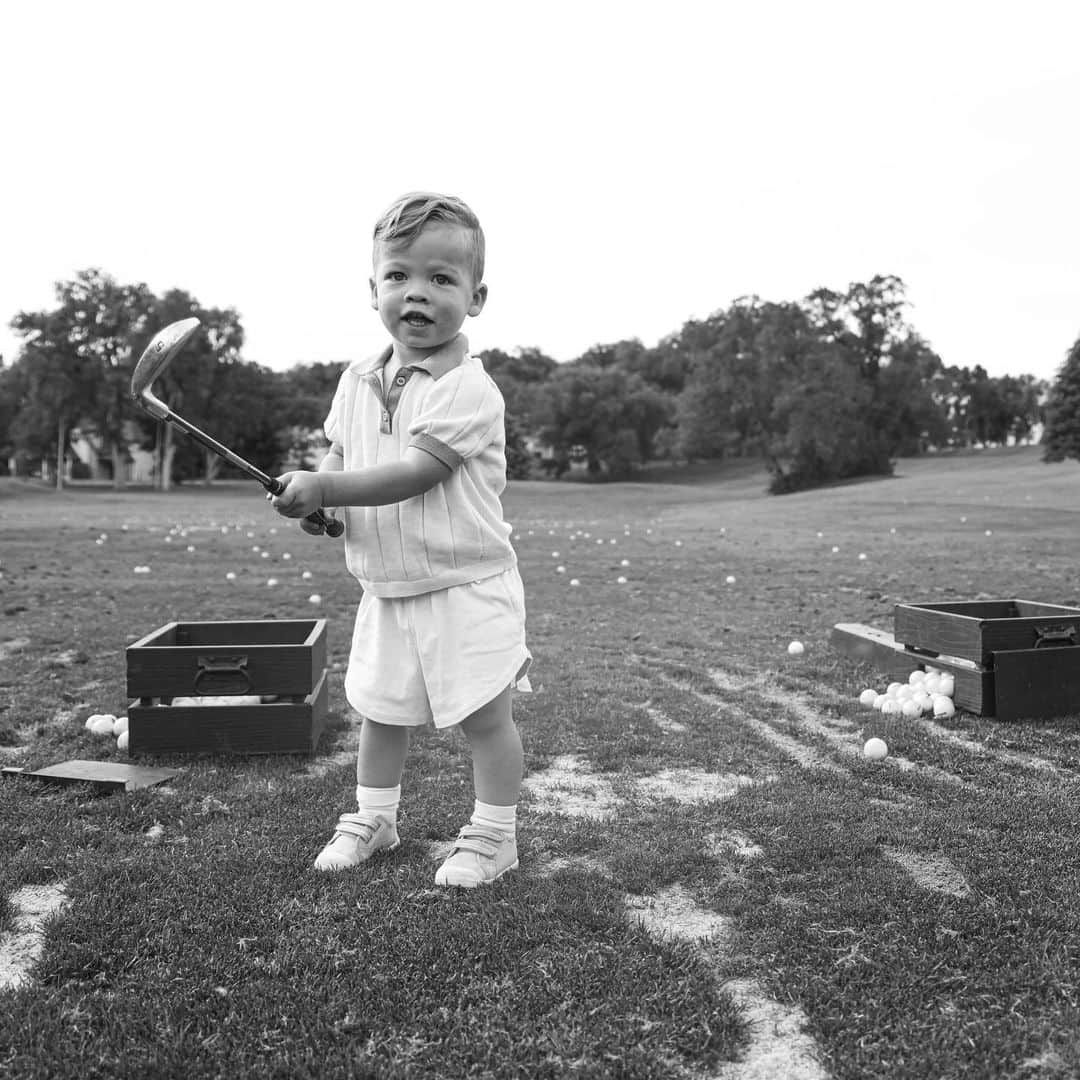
423,288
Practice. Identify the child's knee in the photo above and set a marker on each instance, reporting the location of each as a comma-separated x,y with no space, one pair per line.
493,717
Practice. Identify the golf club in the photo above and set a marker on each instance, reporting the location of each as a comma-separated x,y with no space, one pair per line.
156,357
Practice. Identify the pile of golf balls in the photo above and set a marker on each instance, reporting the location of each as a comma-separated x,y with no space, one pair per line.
925,693
109,725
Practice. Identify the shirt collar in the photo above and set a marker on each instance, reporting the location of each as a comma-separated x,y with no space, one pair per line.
438,364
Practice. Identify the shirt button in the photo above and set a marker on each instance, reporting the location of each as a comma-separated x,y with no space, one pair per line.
386,416
400,380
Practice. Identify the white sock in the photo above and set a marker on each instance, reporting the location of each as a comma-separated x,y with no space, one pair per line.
379,800
503,818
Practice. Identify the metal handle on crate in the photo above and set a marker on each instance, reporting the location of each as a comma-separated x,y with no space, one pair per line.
222,675
1062,634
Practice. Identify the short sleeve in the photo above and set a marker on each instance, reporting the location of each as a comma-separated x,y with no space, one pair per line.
461,416
334,424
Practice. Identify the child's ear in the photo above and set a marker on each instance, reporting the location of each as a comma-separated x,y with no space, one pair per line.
374,294
479,299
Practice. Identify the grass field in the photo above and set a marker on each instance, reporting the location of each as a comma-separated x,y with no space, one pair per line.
714,882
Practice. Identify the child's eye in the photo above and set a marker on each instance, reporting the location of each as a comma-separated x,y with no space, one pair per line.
395,275
442,279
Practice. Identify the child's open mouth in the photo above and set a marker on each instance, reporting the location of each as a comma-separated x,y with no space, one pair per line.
416,319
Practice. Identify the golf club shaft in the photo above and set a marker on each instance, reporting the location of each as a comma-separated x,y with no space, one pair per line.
275,487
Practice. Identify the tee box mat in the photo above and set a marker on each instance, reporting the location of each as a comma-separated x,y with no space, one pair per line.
1010,659
246,687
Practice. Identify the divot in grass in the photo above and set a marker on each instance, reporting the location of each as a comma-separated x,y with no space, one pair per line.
693,785
556,864
674,913
567,787
13,645
21,947
933,872
779,1046
664,722
731,842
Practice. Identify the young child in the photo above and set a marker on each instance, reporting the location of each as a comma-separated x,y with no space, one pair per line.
416,465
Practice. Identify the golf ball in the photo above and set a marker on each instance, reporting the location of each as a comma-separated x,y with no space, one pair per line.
943,707
795,648
620,580
730,579
875,749
574,581
867,697
314,598
122,741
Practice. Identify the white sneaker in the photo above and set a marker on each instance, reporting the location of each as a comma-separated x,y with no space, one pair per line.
480,856
356,838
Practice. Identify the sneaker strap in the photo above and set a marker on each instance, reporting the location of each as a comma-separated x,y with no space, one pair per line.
362,825
481,840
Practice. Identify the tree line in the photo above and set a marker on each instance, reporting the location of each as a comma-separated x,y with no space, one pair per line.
833,386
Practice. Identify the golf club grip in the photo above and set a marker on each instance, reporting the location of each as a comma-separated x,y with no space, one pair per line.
331,526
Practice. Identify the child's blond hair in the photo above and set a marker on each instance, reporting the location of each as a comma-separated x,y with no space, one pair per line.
406,217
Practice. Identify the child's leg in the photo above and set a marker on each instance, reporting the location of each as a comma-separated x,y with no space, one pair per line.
380,760
497,755
487,847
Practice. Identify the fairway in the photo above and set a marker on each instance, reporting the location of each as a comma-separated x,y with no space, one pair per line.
714,881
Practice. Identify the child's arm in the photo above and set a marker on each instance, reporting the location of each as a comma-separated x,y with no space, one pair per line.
416,472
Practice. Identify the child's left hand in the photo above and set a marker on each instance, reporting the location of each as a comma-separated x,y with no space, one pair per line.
302,494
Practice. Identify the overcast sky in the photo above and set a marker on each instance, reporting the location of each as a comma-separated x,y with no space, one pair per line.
634,165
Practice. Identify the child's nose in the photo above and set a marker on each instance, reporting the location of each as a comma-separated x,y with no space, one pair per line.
416,291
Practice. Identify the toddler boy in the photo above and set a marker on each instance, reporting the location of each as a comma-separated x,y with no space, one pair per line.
417,465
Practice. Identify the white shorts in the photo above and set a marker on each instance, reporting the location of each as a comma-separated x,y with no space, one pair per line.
438,657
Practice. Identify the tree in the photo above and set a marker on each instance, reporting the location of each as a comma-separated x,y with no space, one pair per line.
11,393
519,377
102,320
818,429
613,416
1061,439
910,417
79,360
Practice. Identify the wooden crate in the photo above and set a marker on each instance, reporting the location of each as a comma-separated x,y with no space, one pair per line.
263,656
1010,659
977,629
278,665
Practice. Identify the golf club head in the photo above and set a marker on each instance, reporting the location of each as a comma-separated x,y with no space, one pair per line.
156,357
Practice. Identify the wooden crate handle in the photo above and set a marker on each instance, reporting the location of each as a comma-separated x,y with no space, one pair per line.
1053,636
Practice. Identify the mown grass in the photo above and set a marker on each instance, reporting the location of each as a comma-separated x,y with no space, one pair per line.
213,949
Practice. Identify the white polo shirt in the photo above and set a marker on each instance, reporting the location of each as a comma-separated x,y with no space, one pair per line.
454,534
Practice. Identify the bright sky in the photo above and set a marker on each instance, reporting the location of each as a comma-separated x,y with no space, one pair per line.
634,165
